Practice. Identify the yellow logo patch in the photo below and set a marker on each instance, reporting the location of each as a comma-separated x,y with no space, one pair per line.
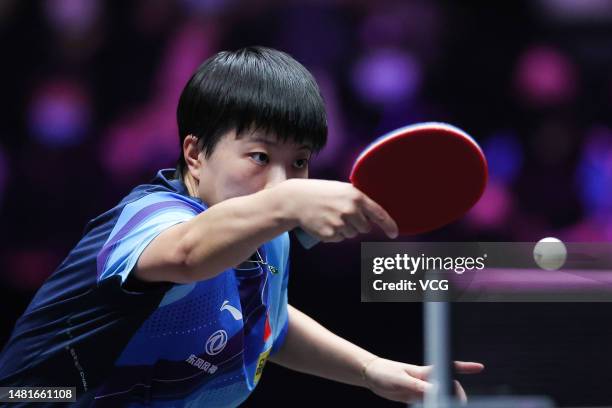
261,362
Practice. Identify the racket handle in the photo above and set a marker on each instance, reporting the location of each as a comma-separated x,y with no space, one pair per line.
307,240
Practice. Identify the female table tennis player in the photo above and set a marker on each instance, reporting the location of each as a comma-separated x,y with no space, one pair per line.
177,296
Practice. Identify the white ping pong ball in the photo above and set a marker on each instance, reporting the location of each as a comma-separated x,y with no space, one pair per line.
550,253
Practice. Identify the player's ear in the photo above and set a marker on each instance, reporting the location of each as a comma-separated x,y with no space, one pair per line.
191,153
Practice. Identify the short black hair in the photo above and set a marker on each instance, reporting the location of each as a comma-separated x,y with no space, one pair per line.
251,88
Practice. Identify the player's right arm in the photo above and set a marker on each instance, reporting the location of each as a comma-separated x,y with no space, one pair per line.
229,232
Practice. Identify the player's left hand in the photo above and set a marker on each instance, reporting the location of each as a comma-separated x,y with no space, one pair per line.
406,382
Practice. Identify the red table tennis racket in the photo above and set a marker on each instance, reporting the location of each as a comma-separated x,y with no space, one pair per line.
425,176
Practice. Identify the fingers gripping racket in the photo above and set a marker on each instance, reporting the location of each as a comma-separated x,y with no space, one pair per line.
425,176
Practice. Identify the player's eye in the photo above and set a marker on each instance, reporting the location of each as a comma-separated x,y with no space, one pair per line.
300,163
260,158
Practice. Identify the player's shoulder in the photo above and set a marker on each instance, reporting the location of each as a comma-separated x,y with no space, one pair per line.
163,193
163,188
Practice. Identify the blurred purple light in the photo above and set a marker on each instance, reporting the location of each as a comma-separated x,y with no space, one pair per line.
143,141
595,171
544,77
72,16
336,139
590,229
147,137
186,50
387,76
504,155
493,208
574,10
414,25
59,114
207,7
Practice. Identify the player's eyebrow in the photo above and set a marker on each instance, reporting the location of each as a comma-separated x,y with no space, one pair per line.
264,140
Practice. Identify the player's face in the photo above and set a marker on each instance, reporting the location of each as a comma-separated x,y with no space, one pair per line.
249,163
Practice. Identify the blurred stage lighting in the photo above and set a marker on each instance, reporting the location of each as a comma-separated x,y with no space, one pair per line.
545,77
142,142
493,208
207,7
589,229
336,136
595,172
572,11
145,137
417,25
72,17
504,155
387,76
59,114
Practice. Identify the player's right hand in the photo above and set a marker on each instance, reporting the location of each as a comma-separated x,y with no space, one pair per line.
332,211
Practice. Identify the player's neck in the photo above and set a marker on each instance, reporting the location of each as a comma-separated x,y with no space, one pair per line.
191,184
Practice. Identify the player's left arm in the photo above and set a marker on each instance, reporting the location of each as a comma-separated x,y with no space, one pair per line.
311,348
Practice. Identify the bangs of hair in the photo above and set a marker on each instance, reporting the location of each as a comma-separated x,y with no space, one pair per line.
254,88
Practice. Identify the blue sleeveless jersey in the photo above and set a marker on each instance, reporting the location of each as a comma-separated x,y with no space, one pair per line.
167,345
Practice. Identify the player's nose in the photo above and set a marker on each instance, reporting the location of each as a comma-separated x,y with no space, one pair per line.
276,176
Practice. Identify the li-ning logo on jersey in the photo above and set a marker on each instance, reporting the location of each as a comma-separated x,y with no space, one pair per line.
216,342
235,312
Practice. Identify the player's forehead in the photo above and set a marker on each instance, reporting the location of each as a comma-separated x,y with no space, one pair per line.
271,139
